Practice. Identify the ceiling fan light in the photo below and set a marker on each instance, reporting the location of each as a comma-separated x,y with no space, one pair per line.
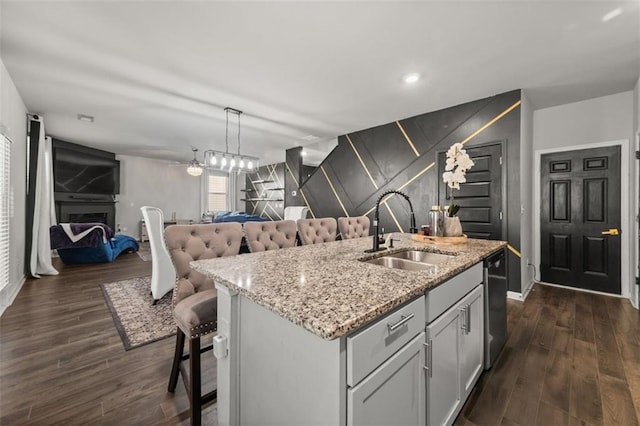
194,170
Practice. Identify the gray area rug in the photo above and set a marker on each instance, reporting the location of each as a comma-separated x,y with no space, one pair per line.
145,251
138,321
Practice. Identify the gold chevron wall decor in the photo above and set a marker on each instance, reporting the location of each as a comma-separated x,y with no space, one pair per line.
402,155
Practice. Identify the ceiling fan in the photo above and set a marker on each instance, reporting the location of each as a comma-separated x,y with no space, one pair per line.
194,167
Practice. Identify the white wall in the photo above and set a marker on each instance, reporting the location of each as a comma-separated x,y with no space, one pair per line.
635,293
13,119
149,182
595,120
526,193
608,118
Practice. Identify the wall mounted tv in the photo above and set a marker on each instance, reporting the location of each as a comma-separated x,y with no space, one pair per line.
84,173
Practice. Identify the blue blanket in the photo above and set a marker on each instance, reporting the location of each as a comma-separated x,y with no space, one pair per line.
99,245
97,237
240,217
105,252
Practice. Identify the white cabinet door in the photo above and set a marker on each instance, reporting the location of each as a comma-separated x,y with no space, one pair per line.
443,363
471,310
393,394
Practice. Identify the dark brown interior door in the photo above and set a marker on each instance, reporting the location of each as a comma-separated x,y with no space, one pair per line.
580,200
480,198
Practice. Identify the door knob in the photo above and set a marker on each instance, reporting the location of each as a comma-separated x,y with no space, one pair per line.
612,231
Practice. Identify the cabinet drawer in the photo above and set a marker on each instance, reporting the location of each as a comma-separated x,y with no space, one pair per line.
373,345
446,294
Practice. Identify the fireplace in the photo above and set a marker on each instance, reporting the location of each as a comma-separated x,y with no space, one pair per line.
83,211
85,181
98,217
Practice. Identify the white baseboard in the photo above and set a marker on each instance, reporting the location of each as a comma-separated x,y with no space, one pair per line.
520,296
583,290
515,296
529,287
9,293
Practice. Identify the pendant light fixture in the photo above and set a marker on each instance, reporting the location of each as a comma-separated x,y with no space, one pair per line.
194,168
228,161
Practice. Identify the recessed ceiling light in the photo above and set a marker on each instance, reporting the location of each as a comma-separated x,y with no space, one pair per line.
309,138
411,78
609,16
87,118
303,153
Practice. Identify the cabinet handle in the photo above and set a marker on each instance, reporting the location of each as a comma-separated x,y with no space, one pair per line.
403,320
463,325
467,318
427,367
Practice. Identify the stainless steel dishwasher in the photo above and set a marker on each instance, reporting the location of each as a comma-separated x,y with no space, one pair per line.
495,306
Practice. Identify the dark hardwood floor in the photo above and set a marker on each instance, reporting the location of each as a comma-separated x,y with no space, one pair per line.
62,360
571,358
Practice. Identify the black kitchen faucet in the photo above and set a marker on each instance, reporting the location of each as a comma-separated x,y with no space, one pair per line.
376,221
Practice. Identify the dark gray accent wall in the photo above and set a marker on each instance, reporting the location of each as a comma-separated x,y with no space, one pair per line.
343,186
292,177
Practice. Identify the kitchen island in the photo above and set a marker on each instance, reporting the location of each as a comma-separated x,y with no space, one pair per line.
305,332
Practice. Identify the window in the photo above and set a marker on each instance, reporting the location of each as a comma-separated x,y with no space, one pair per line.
217,189
5,209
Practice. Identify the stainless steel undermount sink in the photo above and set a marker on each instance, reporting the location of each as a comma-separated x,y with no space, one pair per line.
411,260
422,256
396,263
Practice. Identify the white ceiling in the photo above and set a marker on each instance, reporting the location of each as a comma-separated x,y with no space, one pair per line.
157,75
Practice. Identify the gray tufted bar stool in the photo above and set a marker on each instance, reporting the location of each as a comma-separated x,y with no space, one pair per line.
353,227
315,231
195,299
263,236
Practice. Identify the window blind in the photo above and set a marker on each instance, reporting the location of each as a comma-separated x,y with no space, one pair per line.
217,193
5,209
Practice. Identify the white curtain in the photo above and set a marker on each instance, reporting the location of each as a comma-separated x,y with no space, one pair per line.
44,213
232,192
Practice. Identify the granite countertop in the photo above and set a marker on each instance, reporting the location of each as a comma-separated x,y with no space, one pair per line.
327,289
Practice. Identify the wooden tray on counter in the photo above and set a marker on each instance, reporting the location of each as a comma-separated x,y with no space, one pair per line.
439,240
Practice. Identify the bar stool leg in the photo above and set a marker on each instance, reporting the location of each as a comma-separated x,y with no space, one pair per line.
194,381
177,359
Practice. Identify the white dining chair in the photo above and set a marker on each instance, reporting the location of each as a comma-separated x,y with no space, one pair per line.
163,274
295,212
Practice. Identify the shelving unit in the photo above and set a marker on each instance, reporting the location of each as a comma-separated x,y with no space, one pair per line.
261,193
261,199
265,194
